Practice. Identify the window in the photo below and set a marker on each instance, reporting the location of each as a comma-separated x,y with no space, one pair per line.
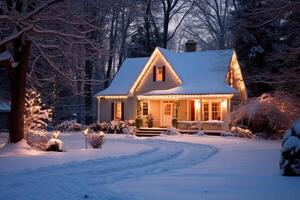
168,109
159,73
118,110
216,111
205,116
145,108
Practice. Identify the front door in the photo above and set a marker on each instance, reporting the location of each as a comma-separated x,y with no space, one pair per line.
167,113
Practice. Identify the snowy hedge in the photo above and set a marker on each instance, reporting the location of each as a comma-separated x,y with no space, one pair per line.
115,126
69,126
290,152
268,114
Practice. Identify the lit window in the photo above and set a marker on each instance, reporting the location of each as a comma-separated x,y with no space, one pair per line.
168,109
159,74
118,110
205,116
145,108
216,111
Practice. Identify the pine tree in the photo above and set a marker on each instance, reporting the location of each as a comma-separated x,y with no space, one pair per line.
37,115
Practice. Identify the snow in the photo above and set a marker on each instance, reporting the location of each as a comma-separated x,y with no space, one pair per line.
5,55
164,167
290,144
4,107
20,156
54,141
125,77
202,72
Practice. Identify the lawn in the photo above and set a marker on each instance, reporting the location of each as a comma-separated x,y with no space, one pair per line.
165,167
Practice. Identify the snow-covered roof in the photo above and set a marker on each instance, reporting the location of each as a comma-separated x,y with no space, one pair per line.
202,72
4,107
125,77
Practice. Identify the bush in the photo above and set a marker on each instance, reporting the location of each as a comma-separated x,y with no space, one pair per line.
55,145
38,139
129,130
239,132
171,131
138,122
290,152
69,126
268,114
96,139
115,126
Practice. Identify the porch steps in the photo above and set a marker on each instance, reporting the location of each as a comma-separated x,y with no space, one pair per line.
149,132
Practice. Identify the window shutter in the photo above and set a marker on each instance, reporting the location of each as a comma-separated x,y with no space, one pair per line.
154,73
122,111
192,111
112,111
164,73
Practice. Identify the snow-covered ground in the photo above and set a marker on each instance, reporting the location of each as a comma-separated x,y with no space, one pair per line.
166,167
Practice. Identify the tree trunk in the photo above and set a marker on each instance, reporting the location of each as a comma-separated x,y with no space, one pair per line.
18,80
88,92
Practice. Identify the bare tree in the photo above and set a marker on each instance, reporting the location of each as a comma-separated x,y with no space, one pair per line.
56,34
209,23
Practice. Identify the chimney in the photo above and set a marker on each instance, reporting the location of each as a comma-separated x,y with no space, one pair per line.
190,46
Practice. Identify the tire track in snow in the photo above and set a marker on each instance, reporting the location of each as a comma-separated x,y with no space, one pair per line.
77,179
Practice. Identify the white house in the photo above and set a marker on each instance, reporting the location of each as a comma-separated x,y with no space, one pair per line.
205,83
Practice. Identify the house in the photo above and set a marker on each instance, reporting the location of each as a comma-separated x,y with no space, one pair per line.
4,116
205,84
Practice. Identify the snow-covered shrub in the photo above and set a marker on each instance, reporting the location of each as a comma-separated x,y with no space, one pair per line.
38,139
117,126
290,152
268,114
55,145
212,125
96,139
69,126
171,131
129,130
240,132
227,134
200,133
36,115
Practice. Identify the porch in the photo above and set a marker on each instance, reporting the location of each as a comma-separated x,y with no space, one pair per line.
185,127
194,112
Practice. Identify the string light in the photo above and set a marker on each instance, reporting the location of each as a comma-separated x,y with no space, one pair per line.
141,97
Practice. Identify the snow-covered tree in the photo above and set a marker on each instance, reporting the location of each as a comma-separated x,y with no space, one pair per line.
36,114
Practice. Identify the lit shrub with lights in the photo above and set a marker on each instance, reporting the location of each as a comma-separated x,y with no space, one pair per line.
38,139
269,114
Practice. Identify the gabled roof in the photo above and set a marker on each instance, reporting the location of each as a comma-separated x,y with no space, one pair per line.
202,72
125,77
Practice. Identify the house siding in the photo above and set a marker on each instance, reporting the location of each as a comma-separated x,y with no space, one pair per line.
147,84
104,111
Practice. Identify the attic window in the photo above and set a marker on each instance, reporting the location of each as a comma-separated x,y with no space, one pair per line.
159,73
